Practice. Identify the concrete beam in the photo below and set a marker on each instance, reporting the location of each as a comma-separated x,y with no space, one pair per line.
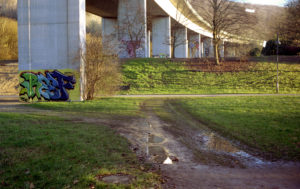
161,36
105,8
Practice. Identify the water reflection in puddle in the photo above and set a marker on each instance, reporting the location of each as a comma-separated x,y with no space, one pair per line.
211,142
216,143
157,154
155,139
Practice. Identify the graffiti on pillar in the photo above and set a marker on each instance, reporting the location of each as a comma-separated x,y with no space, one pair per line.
51,86
194,47
133,48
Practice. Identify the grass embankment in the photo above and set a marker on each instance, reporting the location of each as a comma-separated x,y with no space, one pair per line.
159,76
270,124
48,152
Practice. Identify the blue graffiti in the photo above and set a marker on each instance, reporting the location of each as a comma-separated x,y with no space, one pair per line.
51,86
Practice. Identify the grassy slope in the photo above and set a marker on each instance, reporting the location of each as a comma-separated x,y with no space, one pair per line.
54,153
157,76
270,124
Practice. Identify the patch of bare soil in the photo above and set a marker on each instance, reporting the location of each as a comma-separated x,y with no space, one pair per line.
9,79
199,158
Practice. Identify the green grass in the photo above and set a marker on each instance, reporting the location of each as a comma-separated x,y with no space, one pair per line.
270,124
158,76
49,152
113,106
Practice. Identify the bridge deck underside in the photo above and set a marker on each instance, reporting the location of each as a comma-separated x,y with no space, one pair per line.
109,8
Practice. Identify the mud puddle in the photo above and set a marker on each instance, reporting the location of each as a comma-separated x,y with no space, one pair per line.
215,144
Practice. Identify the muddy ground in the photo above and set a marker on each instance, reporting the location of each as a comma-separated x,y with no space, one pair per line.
9,78
200,157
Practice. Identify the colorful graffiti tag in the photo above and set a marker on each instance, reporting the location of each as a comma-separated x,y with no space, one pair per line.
51,86
132,48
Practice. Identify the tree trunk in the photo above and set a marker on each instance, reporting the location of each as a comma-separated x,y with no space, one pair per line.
216,53
216,49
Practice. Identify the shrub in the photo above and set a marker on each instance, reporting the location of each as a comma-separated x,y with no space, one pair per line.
102,69
285,48
255,52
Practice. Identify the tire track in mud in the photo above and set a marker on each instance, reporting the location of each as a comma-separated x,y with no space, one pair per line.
214,163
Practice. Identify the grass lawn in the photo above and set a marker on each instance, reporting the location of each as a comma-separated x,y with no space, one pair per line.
160,76
270,124
50,152
111,106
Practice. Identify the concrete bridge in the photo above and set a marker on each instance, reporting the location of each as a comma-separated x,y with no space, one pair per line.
52,32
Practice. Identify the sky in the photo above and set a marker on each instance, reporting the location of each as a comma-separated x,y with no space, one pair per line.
265,2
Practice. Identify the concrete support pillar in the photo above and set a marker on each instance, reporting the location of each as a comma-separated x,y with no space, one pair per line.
51,35
110,35
211,47
230,49
206,47
149,44
195,46
161,36
222,49
181,43
132,28
202,49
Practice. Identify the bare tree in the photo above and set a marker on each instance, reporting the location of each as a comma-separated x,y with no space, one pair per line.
226,19
291,24
8,8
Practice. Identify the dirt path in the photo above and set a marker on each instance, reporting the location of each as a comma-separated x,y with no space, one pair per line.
225,165
201,158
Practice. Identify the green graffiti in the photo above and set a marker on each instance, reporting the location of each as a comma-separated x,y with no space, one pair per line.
50,86
31,85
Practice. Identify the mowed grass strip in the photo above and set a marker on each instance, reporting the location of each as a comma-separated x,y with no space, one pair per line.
160,76
48,152
270,124
113,106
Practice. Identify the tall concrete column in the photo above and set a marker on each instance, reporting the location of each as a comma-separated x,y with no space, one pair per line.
181,43
195,46
211,47
132,28
161,36
149,44
51,35
202,49
206,47
110,35
222,49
